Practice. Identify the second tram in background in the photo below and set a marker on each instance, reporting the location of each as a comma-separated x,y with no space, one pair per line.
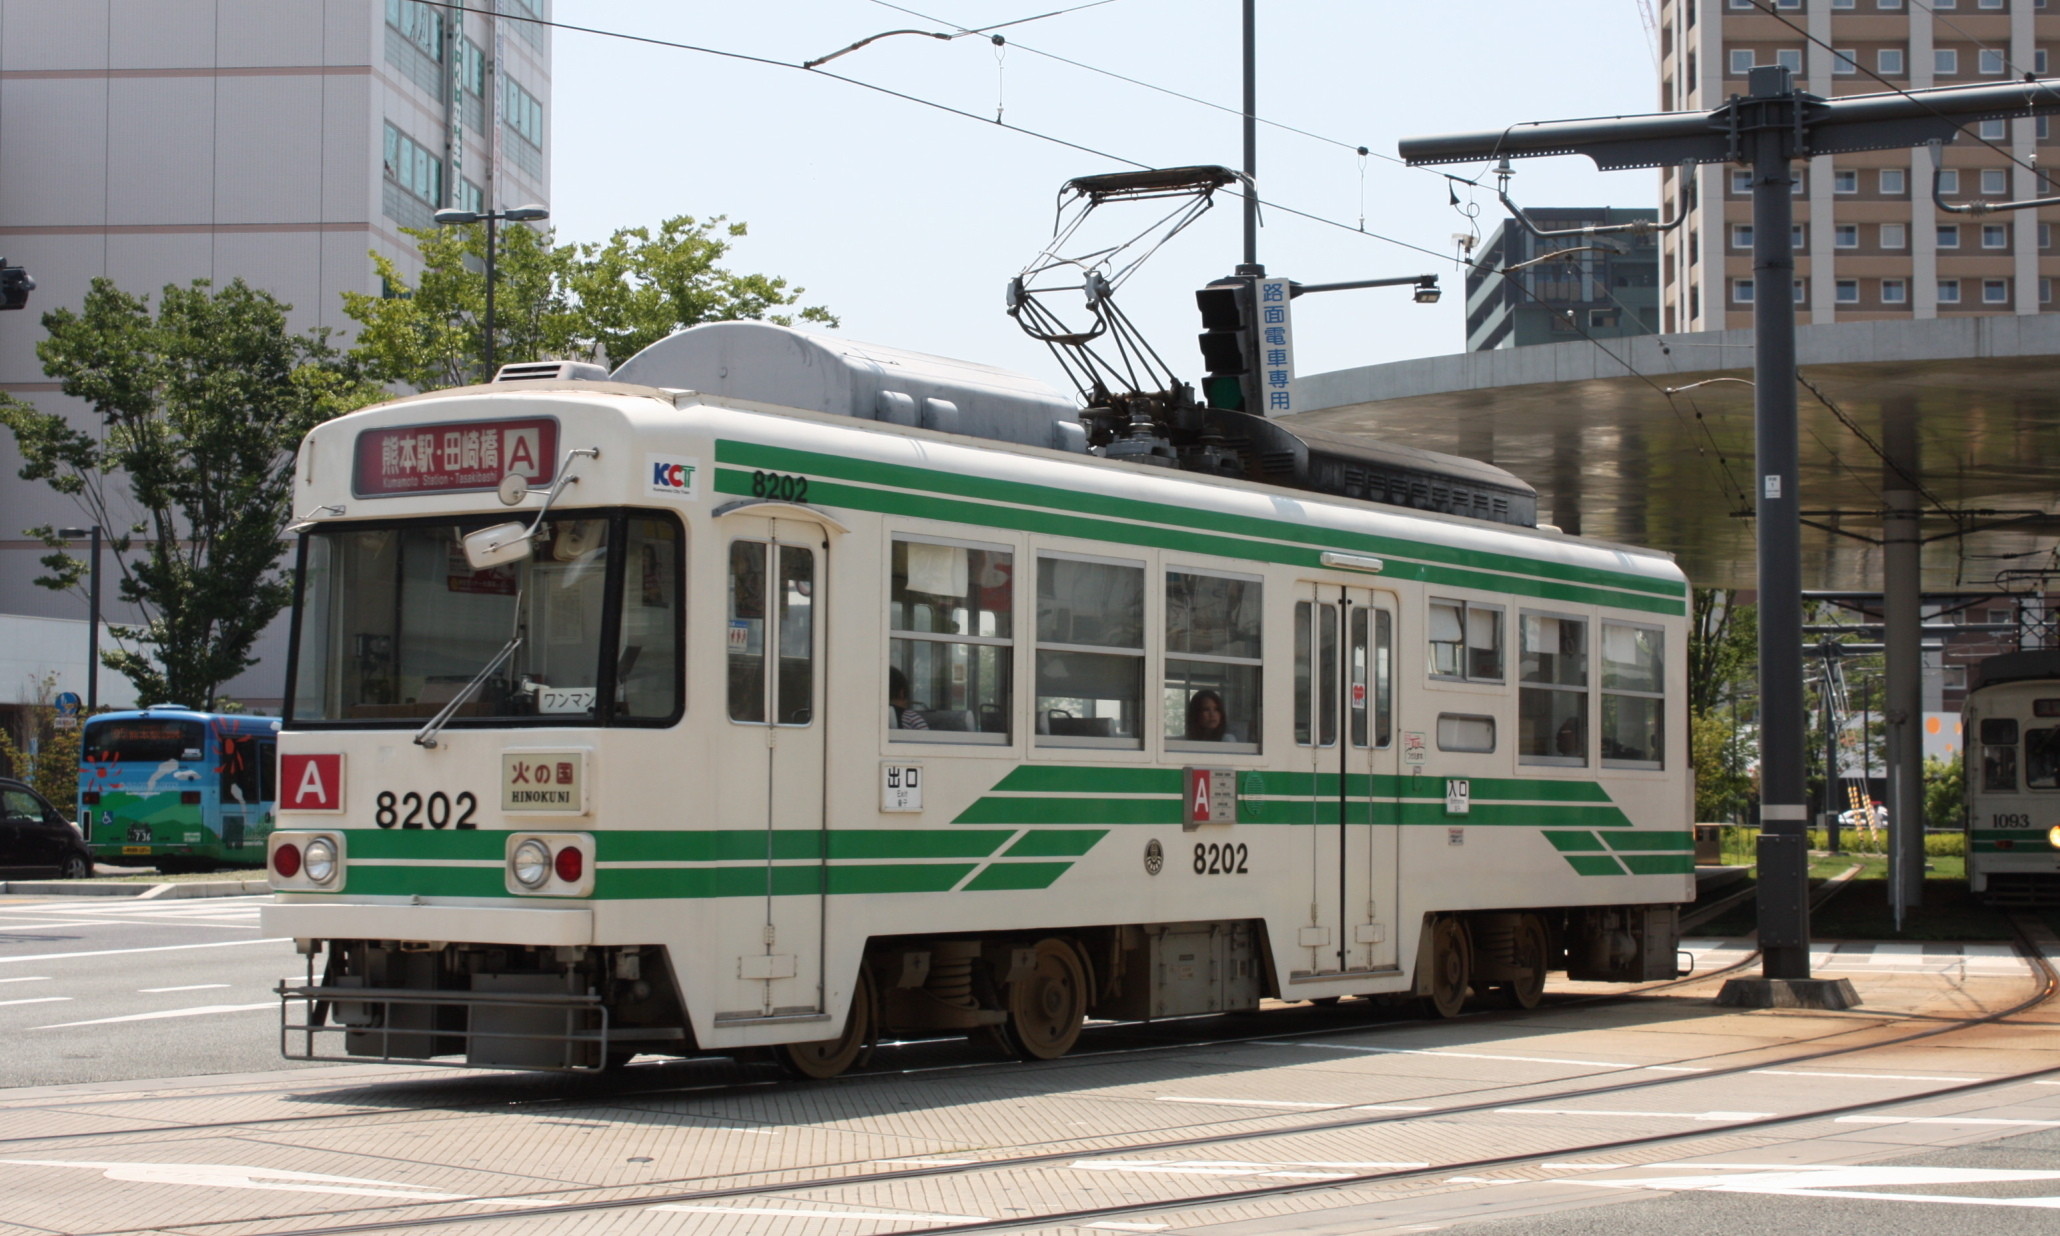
2011,724
176,789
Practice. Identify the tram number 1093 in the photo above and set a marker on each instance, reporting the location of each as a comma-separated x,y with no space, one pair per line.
1228,858
436,810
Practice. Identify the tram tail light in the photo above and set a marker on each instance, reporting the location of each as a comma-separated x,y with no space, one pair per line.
306,862
286,860
570,864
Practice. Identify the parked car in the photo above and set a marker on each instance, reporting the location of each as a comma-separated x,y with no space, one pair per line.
35,840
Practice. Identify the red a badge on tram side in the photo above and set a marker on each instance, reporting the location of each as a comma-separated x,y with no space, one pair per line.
311,782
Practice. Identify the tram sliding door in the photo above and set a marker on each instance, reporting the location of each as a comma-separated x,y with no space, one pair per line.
772,756
1345,730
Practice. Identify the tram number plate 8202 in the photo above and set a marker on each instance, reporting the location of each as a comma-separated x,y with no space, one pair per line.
433,810
1228,858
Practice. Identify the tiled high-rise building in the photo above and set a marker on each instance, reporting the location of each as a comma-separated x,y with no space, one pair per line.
1870,242
159,141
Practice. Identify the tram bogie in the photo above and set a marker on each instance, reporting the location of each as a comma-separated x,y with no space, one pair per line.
786,727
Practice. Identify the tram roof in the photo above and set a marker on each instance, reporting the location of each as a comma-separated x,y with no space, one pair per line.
1618,449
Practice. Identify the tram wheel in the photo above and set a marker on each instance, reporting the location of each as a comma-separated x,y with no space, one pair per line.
1451,966
825,1058
1530,949
1047,1006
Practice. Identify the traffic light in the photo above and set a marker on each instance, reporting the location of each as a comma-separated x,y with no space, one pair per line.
15,286
1230,344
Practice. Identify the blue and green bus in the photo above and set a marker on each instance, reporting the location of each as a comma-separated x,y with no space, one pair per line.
176,789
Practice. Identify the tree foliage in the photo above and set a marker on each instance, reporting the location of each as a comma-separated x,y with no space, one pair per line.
37,751
1945,793
573,301
1723,656
200,406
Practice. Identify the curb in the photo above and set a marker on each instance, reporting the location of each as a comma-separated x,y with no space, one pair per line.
138,889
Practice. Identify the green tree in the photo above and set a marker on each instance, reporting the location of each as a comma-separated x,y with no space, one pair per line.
200,406
1945,793
41,753
1723,656
556,301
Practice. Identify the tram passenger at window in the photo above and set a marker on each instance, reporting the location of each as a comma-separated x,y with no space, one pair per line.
1205,718
900,715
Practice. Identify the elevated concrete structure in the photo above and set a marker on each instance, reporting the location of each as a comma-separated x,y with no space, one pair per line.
1650,440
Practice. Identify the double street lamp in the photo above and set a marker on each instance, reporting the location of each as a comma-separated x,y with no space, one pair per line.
514,214
93,616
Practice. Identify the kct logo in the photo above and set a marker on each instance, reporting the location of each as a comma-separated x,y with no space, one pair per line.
673,476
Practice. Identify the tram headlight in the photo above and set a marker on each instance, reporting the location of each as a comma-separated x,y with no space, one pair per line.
2053,836
319,860
531,863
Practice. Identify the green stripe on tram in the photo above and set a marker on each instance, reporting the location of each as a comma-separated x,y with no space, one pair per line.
1181,528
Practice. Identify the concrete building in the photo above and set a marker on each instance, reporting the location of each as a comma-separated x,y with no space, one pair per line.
160,141
1870,243
1607,287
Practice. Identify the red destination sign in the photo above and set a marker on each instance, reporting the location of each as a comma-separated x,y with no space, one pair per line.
456,457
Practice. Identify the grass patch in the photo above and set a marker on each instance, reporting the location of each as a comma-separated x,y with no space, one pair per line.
151,876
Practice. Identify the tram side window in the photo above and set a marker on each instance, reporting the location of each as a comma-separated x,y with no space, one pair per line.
1211,691
1552,700
1999,753
647,679
1090,652
776,623
1633,696
2042,759
1466,641
951,641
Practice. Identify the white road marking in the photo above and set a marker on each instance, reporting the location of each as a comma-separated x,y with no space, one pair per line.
1238,1167
1126,1227
239,1176
1830,1180
151,991
34,978
1857,1076
1459,1055
2028,1124
868,1216
201,1011
927,1162
1578,1111
36,1000
1172,1098
155,948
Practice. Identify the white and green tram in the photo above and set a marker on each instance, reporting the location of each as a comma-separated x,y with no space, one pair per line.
779,692
2011,720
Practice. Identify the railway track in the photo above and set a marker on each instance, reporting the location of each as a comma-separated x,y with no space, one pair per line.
1223,1135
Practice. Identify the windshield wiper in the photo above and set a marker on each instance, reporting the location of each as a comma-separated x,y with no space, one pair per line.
426,736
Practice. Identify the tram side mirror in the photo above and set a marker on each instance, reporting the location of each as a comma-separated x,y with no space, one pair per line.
490,547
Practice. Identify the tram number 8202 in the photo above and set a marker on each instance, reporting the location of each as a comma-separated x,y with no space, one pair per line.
412,810
1229,858
779,486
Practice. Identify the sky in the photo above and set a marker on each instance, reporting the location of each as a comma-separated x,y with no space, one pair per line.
908,221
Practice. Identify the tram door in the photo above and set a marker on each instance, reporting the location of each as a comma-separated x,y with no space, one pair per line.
1345,728
772,756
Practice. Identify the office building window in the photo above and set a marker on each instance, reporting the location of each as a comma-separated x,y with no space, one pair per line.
1741,182
1895,235
2040,128
2045,291
1888,61
413,168
419,23
1848,291
1945,61
1796,239
1995,236
1845,180
2038,61
1995,182
1894,292
1741,291
1841,5
1798,291
1741,61
1991,4
1790,58
1990,130
1948,235
2045,235
1995,291
1845,62
524,113
1846,236
1949,291
1989,60
1949,180
1741,236
1894,182
1889,6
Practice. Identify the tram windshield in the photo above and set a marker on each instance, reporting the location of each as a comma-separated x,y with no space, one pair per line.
394,623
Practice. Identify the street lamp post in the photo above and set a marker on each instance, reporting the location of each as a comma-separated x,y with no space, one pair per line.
92,616
514,214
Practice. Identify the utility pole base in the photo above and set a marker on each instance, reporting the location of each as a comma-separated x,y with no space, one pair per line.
1778,993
